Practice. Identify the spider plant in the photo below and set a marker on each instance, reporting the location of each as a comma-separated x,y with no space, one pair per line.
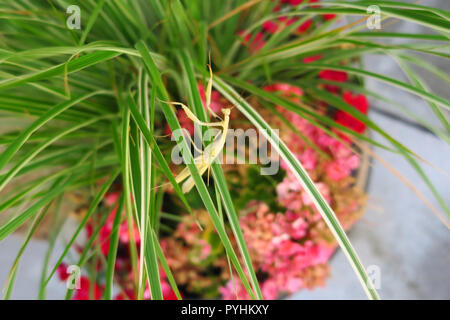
78,106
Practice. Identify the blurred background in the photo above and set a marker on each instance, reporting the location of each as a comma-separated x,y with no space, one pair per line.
398,234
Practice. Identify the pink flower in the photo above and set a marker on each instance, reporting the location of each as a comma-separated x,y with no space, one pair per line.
324,191
206,250
124,234
269,290
288,192
288,248
308,159
234,291
168,293
322,254
336,172
342,168
111,198
294,284
299,229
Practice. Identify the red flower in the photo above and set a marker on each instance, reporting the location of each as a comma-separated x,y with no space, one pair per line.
332,75
127,294
357,101
294,2
270,26
111,198
285,88
84,292
184,121
360,103
312,58
329,16
168,293
287,21
305,26
338,76
62,272
89,229
257,42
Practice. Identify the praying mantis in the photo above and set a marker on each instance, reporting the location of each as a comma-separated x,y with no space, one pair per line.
204,161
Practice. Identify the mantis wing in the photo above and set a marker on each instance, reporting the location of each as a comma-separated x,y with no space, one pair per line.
187,186
212,151
182,175
206,158
199,162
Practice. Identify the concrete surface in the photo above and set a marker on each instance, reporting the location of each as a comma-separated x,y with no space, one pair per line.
30,268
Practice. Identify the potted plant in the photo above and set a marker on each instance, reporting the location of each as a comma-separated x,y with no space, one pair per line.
98,89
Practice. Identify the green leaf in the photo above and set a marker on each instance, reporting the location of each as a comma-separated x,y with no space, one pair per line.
219,178
93,206
112,253
81,63
188,159
45,118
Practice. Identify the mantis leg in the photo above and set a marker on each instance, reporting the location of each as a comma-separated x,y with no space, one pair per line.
195,119
194,145
209,91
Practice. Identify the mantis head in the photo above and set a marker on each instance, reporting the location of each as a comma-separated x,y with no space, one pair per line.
226,111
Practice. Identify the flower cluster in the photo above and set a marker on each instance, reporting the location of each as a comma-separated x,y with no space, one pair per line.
257,41
289,249
314,146
196,257
281,250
